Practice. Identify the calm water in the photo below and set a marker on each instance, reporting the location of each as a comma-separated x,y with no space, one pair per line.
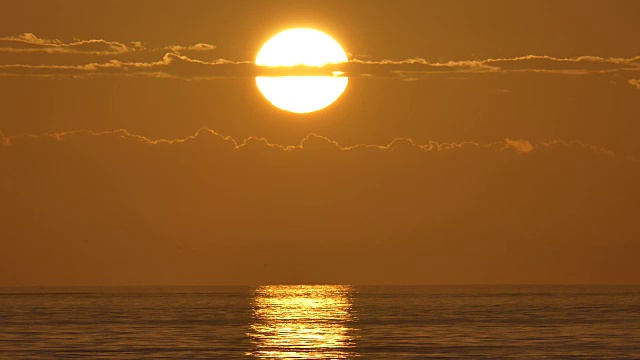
321,322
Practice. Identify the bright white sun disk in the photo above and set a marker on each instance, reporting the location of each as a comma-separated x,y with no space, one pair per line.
301,47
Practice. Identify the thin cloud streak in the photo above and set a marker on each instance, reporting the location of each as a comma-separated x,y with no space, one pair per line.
30,43
635,61
175,65
397,144
197,47
581,65
172,65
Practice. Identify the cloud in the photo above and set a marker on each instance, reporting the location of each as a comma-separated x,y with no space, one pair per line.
3,140
635,82
416,67
522,146
196,47
578,144
314,141
88,207
175,64
171,65
29,42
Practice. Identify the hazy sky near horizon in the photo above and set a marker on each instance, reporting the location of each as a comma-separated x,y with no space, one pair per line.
477,142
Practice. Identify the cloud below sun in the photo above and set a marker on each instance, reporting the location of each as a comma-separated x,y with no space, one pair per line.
127,201
311,142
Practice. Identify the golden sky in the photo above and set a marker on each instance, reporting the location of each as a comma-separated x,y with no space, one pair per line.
477,142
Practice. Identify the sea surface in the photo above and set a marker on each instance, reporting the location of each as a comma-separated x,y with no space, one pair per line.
318,322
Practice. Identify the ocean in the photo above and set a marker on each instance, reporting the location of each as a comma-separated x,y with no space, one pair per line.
321,322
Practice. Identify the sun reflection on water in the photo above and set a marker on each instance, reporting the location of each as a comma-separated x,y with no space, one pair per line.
303,322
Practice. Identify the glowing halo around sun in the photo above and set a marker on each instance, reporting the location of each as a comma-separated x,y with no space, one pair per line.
301,47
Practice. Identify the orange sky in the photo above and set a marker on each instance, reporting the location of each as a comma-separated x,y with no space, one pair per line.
515,158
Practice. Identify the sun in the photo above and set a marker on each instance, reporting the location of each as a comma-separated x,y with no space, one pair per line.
301,47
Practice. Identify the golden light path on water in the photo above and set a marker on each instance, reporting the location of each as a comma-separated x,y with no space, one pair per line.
303,322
